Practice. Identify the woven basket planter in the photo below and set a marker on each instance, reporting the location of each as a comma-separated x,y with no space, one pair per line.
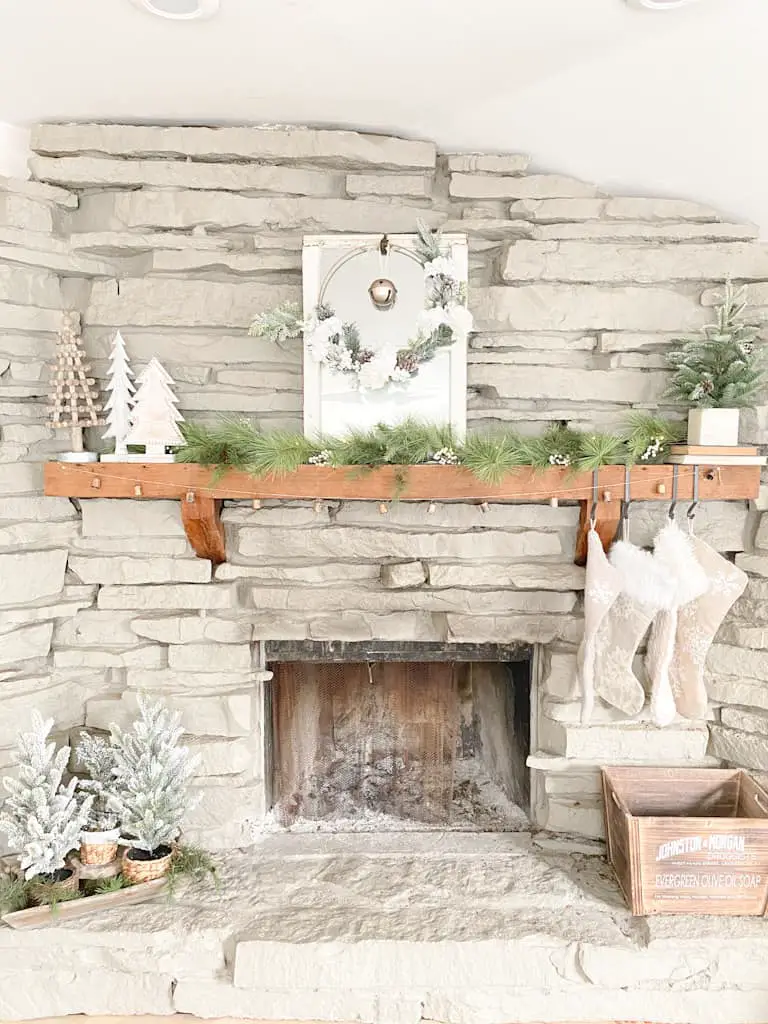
39,891
99,847
135,871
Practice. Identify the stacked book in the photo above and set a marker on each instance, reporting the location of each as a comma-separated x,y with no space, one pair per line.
714,455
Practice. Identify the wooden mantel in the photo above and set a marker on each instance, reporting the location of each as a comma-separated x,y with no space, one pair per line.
201,491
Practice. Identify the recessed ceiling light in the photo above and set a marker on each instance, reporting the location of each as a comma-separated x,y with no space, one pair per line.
179,10
660,5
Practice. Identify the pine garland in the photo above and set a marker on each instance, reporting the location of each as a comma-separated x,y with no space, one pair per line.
239,444
722,369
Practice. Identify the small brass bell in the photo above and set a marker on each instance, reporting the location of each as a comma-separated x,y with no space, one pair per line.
383,294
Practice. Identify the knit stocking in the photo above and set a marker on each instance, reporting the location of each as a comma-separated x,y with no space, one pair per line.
673,551
645,588
696,627
602,587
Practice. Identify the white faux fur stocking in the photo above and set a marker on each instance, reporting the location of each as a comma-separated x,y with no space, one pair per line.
645,588
673,553
697,624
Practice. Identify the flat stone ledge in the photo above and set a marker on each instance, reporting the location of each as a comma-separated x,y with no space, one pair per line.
284,144
517,927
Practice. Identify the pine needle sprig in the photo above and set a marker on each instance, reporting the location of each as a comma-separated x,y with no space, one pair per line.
596,450
276,453
428,244
223,446
648,437
357,448
108,885
191,862
14,894
557,446
491,456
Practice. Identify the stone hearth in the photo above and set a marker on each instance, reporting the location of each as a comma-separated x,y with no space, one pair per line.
395,929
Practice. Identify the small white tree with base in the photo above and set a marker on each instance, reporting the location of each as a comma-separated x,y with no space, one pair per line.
155,416
118,409
41,817
152,775
75,401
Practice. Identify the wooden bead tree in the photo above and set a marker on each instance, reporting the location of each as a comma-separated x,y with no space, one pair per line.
75,399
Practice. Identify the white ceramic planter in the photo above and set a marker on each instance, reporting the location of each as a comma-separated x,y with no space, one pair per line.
100,838
712,427
98,848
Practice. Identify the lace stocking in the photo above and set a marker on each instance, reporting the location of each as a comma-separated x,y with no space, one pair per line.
697,624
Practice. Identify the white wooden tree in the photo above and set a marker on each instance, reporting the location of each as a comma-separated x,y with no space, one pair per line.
75,399
155,416
121,391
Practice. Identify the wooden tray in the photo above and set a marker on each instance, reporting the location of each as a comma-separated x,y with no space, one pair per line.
39,917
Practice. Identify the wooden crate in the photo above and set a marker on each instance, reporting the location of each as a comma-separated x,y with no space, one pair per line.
688,840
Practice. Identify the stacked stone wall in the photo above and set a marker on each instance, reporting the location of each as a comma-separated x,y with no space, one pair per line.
178,236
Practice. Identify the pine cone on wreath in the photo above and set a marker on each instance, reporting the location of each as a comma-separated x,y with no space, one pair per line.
406,361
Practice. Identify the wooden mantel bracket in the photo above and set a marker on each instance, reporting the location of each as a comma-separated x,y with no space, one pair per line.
201,517
201,491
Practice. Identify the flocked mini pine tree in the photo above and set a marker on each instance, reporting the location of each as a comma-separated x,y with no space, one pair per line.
121,398
98,758
75,401
42,817
155,416
152,775
722,369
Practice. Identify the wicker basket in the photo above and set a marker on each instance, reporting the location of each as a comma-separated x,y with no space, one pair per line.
135,871
39,891
98,847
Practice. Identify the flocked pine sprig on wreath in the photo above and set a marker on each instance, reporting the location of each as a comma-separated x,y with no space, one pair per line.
339,346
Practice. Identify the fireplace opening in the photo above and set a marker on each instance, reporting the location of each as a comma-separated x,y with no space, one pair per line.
400,736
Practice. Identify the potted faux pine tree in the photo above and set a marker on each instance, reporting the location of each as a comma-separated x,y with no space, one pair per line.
152,775
42,817
719,373
99,838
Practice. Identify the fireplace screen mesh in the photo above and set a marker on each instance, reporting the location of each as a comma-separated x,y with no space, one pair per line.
414,741
354,737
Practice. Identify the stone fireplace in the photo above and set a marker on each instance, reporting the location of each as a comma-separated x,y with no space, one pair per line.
405,668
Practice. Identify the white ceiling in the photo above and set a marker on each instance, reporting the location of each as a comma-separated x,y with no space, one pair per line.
639,101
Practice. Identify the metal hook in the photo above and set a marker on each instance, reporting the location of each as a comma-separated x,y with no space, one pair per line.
673,505
593,509
695,503
384,246
626,502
